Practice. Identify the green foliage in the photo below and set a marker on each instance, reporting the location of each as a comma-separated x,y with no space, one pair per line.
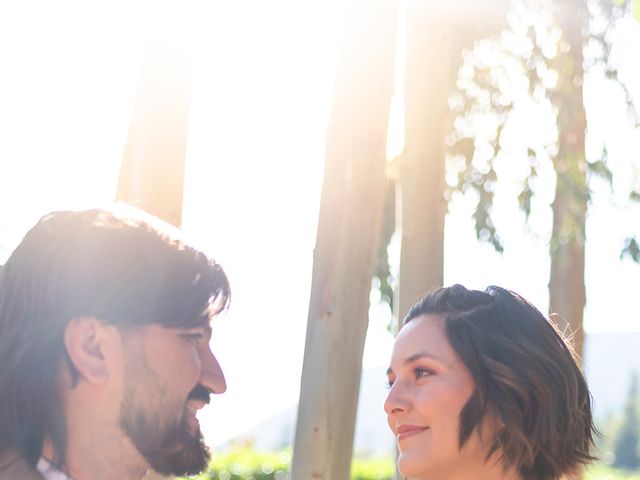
601,169
372,469
497,74
600,471
532,60
627,441
247,464
244,463
611,13
631,249
381,269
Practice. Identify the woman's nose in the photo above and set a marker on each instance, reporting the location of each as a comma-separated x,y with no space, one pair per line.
396,401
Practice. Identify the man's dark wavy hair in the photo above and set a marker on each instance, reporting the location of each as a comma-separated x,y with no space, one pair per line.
121,266
525,372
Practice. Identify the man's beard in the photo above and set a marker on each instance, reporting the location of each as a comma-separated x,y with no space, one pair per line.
169,447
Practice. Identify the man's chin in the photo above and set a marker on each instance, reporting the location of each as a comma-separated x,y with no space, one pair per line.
187,456
178,450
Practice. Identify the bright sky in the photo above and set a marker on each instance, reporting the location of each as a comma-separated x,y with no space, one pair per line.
263,74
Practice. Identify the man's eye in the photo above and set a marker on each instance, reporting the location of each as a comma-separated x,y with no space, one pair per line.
388,384
192,337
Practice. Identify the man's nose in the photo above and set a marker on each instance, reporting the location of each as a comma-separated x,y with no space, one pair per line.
211,375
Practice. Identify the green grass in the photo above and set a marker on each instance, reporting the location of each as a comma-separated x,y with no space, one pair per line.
600,471
247,464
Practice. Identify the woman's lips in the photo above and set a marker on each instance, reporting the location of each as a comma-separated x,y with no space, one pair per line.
406,431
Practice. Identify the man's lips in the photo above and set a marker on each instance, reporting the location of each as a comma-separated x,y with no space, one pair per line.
193,406
405,431
192,409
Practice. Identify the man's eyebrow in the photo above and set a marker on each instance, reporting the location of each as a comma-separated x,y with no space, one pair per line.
204,325
414,357
206,328
203,321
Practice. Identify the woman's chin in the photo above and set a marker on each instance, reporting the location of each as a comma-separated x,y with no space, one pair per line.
412,466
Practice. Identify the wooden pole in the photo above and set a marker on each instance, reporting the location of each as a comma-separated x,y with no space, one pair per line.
152,172
348,229
422,206
436,34
567,296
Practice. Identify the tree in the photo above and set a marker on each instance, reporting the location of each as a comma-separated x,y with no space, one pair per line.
627,442
538,62
346,243
420,186
611,15
152,170
567,295
436,34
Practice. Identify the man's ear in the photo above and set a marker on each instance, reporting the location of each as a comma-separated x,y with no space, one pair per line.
86,340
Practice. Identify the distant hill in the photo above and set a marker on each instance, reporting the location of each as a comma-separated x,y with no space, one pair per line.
372,435
610,359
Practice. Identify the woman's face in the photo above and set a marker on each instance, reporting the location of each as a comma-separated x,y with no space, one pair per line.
429,386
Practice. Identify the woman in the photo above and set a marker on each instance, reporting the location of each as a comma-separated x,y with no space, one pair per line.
483,387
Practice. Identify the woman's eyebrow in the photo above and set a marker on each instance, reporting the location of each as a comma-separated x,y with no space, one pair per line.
415,357
421,355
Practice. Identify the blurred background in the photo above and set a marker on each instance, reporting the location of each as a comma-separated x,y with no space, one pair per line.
514,124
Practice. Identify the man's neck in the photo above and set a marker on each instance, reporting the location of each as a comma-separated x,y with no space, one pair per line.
97,448
89,458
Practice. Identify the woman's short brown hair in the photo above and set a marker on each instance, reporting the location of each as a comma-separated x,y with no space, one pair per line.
525,372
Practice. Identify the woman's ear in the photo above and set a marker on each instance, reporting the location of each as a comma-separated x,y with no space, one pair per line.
86,340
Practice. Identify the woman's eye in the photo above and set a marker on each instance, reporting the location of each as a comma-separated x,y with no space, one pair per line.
422,372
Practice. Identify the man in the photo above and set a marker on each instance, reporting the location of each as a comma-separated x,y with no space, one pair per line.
104,349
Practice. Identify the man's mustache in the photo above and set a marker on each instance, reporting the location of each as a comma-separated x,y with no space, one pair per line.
200,393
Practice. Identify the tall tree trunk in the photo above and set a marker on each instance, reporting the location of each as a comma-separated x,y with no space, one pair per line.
421,186
348,226
436,38
152,172
434,55
567,296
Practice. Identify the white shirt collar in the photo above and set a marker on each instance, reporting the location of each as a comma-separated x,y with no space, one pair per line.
49,472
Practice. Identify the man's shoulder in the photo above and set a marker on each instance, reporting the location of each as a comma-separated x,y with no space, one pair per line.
13,467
